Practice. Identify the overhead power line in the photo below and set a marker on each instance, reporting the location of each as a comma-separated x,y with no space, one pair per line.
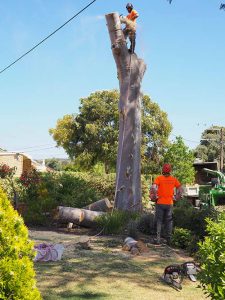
34,147
41,149
47,37
190,141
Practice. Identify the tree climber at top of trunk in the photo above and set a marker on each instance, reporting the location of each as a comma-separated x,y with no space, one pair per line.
130,29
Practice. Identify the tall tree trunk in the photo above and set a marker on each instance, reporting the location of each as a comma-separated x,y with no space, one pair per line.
130,70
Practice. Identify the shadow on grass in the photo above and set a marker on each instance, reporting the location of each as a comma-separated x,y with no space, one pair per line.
86,267
82,295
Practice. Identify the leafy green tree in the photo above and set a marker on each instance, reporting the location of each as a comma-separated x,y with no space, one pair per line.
209,147
181,158
91,136
54,164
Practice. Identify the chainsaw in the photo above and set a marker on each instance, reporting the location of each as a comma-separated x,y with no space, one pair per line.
174,274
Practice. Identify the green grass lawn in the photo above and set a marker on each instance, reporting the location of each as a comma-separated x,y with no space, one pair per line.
105,272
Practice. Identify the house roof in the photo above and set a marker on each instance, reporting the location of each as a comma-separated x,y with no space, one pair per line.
5,153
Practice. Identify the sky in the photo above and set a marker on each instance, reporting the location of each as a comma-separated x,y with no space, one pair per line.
182,44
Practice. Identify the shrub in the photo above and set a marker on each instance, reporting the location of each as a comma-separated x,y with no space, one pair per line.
32,178
146,223
73,189
6,171
17,277
115,222
193,219
184,204
212,258
103,185
57,189
182,238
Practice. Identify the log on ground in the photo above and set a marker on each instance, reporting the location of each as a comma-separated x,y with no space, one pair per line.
103,205
89,217
81,217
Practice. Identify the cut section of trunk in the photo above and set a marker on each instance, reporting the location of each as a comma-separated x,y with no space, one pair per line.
101,205
69,215
89,217
81,217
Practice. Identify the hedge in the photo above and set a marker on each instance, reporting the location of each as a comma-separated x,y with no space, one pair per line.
17,276
212,258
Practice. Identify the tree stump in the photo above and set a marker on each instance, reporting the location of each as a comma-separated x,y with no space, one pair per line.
130,70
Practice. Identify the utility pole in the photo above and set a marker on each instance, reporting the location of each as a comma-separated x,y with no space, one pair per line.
221,149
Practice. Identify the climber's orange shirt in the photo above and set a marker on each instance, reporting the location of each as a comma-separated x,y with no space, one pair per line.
132,15
166,185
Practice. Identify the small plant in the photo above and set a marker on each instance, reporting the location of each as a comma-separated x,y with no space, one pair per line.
6,171
115,222
212,258
28,179
182,238
17,276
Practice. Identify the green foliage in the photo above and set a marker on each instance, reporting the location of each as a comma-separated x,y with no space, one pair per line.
181,158
189,218
54,164
10,187
115,222
146,223
212,257
32,178
57,189
155,133
184,203
17,277
6,171
103,185
182,238
209,147
193,219
92,135
76,189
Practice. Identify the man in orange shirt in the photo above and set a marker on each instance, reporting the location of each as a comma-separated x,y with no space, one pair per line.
130,29
162,192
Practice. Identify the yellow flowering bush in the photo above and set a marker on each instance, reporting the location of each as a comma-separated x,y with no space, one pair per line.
17,276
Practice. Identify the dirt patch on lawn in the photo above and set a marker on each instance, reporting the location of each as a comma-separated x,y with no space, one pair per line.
106,244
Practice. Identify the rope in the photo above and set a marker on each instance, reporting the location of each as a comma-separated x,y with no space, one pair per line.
42,41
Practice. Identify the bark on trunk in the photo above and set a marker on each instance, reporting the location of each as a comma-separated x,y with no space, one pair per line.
89,217
103,205
130,70
69,215
77,216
